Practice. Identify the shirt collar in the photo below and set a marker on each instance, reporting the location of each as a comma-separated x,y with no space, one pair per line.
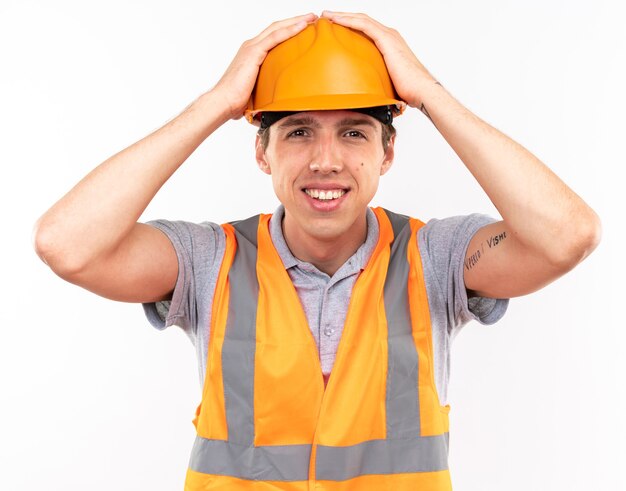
358,260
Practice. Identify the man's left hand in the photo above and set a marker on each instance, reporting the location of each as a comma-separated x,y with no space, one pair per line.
410,78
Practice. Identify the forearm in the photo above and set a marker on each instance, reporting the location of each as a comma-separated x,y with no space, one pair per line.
94,217
541,211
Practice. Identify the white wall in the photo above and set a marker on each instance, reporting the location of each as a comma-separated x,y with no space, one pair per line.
93,398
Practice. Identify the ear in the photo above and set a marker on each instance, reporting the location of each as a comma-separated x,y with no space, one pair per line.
389,154
260,156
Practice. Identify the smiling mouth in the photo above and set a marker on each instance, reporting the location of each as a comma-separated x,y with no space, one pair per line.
325,194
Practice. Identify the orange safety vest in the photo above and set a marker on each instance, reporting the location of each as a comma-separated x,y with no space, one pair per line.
266,422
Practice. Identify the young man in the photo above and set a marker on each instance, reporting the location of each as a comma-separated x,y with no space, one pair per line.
275,302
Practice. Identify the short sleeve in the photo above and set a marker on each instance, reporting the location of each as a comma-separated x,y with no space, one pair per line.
198,248
445,243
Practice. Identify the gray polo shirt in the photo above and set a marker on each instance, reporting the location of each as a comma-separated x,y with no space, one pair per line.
325,299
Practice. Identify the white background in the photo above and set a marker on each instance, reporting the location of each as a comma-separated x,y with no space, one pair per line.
91,397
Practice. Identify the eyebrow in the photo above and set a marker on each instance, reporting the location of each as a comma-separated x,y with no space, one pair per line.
356,122
313,123
301,121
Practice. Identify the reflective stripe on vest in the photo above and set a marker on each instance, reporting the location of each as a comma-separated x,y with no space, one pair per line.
265,415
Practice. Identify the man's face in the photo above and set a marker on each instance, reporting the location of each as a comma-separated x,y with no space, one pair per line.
325,167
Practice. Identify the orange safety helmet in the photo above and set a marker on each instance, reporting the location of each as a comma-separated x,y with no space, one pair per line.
325,66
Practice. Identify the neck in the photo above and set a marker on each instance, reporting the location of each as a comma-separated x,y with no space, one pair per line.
327,254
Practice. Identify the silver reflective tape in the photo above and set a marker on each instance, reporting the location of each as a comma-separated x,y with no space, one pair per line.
398,222
402,400
248,228
400,456
269,463
240,338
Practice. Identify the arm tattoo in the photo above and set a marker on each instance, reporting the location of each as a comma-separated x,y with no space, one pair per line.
493,241
425,111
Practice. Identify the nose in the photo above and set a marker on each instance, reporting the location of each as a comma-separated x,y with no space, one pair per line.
326,159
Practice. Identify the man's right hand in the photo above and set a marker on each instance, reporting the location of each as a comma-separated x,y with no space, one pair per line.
91,236
238,81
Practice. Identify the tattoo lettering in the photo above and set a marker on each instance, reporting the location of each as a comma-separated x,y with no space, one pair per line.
471,261
496,239
492,242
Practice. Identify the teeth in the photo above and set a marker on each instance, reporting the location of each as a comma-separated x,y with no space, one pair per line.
325,195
